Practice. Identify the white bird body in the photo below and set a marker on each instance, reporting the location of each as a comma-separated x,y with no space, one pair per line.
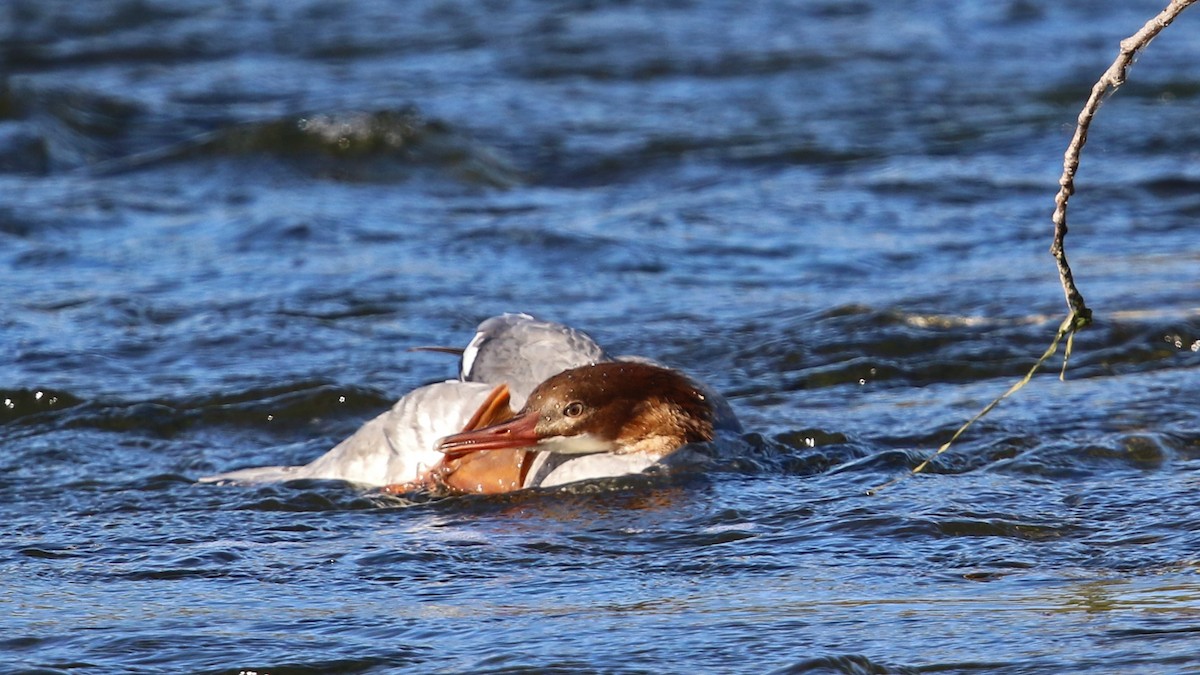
400,446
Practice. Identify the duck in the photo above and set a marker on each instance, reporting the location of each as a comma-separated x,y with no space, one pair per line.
515,367
600,420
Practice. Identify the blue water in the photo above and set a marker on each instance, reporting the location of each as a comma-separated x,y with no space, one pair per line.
222,227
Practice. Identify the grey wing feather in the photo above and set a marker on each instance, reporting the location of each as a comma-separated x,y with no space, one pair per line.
522,351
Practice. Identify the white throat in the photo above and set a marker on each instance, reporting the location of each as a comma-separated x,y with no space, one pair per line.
583,444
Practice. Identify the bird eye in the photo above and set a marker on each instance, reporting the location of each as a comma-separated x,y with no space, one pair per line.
573,409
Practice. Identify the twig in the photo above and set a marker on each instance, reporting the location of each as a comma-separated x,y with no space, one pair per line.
1080,315
1112,78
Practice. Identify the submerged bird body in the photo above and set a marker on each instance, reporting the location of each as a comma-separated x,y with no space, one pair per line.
633,414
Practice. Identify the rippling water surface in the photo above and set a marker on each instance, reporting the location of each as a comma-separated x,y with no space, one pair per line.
222,225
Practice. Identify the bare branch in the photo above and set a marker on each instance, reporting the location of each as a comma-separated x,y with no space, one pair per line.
1080,315
1111,79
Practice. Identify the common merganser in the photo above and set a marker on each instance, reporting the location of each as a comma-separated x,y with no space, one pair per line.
600,420
507,358
621,408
